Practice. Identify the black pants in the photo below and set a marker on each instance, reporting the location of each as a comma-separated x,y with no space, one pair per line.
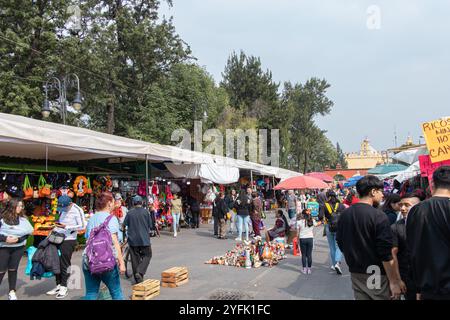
9,261
196,218
67,248
411,292
306,246
216,226
140,259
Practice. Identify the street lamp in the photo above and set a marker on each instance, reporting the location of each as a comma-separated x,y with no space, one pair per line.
61,86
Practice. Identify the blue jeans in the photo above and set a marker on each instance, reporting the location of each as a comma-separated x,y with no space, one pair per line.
176,221
243,220
111,279
335,252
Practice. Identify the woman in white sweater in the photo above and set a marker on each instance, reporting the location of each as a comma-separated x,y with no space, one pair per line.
14,231
305,230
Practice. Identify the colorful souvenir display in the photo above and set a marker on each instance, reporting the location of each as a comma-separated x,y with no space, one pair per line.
254,255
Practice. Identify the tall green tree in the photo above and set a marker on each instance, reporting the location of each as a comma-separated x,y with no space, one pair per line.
249,87
187,94
31,41
341,157
307,101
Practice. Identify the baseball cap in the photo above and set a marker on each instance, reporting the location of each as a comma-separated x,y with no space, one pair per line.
137,199
13,191
63,202
118,196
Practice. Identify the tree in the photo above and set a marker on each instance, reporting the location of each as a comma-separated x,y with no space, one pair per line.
341,157
31,39
306,102
186,95
249,87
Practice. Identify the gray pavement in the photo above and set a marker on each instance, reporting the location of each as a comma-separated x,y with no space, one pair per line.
192,248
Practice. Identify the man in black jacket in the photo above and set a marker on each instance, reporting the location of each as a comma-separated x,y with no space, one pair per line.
365,238
428,240
138,224
400,251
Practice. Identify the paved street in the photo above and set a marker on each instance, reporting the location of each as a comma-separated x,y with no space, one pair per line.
193,247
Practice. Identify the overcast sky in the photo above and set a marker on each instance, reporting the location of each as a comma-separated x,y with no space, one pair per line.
388,68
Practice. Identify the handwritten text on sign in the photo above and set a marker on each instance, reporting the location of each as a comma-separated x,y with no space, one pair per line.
437,135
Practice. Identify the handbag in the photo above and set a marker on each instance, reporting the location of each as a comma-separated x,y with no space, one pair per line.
56,237
45,189
27,189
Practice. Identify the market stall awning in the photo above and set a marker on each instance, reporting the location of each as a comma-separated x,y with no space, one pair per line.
23,137
410,156
206,172
409,173
387,168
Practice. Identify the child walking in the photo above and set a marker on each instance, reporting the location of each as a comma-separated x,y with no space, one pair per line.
305,230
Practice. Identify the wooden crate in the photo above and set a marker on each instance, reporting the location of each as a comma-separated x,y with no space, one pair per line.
146,290
174,277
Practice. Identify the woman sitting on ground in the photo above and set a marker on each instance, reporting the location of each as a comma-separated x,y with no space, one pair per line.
280,229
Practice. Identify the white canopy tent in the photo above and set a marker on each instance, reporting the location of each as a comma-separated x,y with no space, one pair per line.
206,172
23,137
410,156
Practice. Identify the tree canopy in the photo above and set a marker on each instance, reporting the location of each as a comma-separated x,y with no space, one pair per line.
139,79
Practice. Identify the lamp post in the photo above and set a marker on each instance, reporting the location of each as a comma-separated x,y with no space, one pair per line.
61,86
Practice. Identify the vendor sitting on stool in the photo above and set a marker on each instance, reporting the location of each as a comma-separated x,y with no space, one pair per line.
280,229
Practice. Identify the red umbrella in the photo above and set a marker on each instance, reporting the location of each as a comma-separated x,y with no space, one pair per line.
320,175
301,182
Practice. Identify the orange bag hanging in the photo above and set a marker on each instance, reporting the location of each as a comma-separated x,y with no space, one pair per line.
45,190
27,189
89,189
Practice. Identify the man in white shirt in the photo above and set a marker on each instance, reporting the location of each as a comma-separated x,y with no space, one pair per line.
71,220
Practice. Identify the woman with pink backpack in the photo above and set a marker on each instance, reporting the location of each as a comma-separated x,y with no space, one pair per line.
102,258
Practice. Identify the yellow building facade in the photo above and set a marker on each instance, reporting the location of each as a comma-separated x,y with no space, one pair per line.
366,158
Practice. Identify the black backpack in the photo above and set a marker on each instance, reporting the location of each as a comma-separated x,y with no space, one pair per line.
334,219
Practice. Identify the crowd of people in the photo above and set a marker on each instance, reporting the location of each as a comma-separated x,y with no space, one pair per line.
402,241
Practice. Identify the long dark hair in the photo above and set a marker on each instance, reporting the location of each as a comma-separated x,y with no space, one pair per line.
9,215
287,228
307,217
390,199
332,198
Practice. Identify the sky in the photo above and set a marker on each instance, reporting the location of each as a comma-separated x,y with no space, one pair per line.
388,62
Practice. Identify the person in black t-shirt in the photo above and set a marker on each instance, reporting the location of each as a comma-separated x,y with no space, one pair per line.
399,250
365,238
428,239
138,224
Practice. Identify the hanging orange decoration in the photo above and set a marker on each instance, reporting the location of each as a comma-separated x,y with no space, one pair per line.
80,186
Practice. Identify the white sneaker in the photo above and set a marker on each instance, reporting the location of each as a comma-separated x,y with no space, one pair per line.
175,235
12,295
333,268
238,239
338,269
54,291
62,293
304,271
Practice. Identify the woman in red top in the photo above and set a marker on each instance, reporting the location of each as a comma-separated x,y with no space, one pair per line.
351,199
280,229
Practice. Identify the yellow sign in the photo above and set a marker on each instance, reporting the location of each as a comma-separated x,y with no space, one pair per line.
437,136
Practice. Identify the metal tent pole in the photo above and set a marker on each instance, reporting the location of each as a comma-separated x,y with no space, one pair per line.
146,181
46,158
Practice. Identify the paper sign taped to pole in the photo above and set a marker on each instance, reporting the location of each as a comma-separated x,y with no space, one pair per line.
437,136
